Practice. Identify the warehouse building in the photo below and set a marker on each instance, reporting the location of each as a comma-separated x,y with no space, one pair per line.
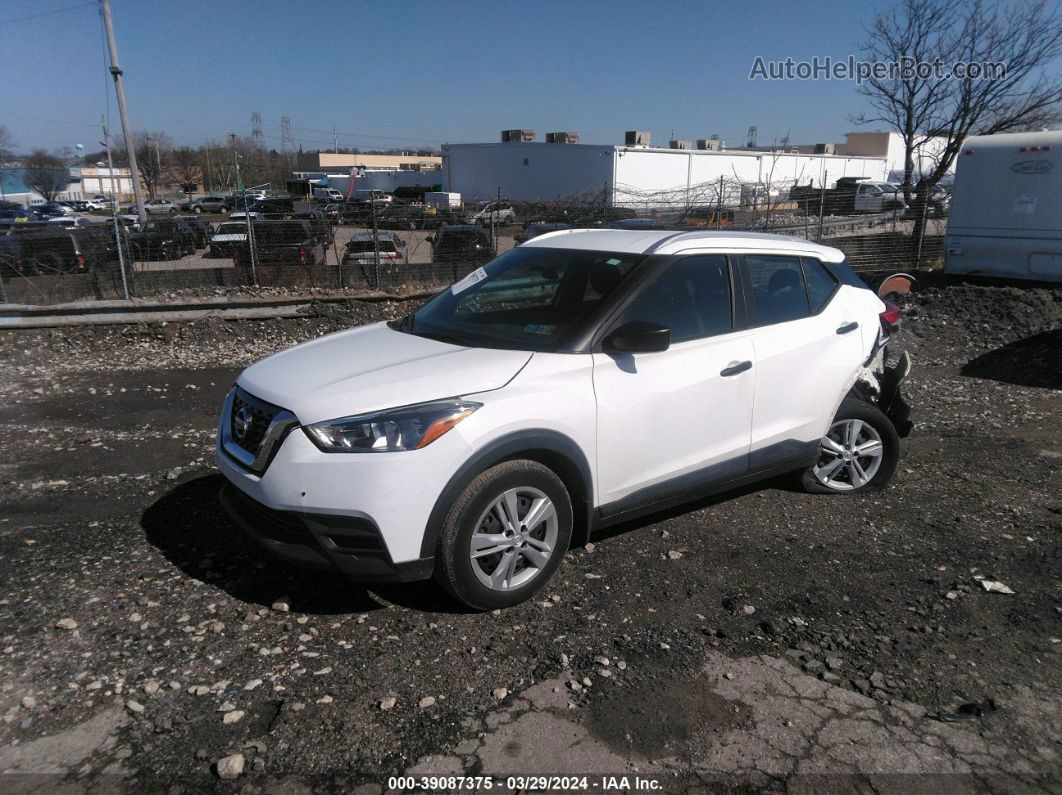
635,173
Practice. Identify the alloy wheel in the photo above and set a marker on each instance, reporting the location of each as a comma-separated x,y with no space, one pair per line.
851,455
514,539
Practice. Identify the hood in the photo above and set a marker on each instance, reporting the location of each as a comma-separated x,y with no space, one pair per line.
375,367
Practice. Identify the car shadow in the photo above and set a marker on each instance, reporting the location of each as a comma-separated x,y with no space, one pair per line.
1034,361
193,531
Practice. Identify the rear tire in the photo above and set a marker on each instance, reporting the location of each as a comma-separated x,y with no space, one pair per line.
860,452
487,557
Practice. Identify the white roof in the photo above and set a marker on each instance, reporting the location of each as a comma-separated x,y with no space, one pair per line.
671,242
1013,140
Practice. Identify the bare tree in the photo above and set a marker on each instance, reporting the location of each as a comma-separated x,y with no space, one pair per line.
46,174
152,157
186,166
6,142
1023,38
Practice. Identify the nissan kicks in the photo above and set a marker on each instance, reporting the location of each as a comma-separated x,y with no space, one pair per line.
579,380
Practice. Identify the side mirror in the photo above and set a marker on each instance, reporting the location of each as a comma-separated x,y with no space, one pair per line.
431,240
638,336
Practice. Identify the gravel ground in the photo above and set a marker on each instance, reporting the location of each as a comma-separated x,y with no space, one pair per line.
144,641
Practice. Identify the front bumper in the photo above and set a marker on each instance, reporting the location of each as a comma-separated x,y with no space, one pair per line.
364,515
350,545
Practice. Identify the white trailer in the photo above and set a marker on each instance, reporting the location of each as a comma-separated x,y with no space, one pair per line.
443,200
1006,208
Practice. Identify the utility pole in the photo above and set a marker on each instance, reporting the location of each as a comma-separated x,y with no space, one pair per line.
116,72
158,166
335,139
114,208
234,139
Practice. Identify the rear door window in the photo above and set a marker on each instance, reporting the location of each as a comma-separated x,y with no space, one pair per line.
778,287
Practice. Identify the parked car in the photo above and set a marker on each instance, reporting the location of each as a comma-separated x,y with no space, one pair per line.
228,238
328,195
498,213
19,216
537,228
460,244
319,225
162,239
591,378
218,205
161,207
361,249
203,229
51,210
71,221
272,207
331,212
50,250
365,195
243,215
276,243
410,216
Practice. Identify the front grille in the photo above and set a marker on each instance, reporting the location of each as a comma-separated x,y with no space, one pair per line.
252,430
260,415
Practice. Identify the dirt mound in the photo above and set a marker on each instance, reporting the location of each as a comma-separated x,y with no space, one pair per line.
956,322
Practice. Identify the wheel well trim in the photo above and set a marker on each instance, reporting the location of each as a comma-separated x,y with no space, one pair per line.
549,448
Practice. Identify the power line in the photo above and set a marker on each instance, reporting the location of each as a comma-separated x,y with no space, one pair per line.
46,14
50,121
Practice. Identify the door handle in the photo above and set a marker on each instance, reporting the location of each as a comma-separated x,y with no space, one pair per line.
735,367
848,327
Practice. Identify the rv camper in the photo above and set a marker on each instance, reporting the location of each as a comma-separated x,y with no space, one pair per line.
1006,208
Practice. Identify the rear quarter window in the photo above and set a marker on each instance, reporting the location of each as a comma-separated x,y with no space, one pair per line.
821,284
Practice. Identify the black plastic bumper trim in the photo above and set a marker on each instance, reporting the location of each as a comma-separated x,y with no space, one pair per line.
350,545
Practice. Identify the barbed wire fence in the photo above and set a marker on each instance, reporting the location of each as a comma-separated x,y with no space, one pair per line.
399,246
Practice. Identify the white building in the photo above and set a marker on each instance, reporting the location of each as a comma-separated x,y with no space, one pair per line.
890,146
638,175
96,179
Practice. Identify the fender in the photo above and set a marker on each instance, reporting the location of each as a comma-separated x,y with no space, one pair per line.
550,448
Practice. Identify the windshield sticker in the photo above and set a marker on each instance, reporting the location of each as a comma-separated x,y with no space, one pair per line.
474,277
535,328
612,262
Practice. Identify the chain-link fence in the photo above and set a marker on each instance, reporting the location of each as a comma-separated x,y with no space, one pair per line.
393,246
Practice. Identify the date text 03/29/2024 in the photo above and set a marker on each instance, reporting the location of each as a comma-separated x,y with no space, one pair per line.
525,783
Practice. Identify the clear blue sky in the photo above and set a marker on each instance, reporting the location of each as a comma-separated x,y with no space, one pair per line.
403,74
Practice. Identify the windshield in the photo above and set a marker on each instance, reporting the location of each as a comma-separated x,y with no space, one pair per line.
232,229
363,246
526,299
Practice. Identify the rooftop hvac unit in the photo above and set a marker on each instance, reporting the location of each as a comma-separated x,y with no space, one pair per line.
825,149
517,136
562,138
709,144
637,138
680,144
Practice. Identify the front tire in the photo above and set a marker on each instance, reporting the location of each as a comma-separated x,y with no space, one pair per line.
505,536
859,452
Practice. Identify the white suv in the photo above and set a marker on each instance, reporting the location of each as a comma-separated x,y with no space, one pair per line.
576,381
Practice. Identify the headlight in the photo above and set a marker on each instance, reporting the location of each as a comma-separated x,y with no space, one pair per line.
409,428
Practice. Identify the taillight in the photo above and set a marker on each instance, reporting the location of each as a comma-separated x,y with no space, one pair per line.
302,256
890,318
80,261
235,259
